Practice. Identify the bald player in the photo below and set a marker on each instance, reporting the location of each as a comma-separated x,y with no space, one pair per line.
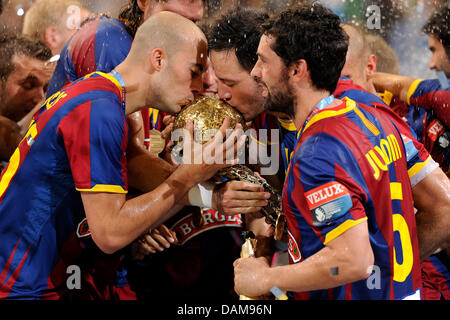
430,185
72,161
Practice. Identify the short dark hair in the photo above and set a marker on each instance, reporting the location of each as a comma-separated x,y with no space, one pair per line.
313,33
438,26
1,6
12,43
131,15
239,30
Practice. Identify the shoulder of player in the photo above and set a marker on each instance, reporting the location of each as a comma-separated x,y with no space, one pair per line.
96,89
320,144
100,29
421,87
112,27
326,119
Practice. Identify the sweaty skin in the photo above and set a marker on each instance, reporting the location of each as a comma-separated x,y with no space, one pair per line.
148,72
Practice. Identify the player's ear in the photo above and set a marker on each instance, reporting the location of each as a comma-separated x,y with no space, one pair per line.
158,59
51,37
298,70
371,66
143,4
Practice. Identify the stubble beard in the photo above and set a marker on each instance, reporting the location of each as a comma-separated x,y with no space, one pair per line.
282,102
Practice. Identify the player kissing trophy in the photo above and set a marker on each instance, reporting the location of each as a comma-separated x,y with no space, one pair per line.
208,114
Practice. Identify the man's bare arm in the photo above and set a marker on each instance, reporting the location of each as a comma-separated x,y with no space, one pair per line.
432,199
115,222
396,84
347,258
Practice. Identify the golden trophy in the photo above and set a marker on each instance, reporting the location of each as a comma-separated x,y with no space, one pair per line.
248,250
208,114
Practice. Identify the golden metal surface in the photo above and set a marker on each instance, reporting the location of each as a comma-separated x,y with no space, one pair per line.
208,114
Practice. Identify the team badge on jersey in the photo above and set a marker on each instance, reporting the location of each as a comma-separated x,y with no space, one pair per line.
83,229
293,249
435,129
328,202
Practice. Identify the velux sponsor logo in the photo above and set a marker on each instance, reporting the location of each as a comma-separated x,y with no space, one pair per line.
325,193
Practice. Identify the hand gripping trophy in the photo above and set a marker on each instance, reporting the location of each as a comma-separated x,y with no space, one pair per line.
208,114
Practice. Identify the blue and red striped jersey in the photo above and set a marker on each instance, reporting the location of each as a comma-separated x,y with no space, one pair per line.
419,160
420,163
429,116
436,276
76,142
349,167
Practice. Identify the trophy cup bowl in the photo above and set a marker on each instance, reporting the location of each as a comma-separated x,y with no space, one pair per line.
208,114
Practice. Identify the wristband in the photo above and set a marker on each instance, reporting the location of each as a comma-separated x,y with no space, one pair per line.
201,195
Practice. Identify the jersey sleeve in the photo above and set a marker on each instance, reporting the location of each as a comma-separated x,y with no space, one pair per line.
332,200
430,95
95,136
112,45
100,45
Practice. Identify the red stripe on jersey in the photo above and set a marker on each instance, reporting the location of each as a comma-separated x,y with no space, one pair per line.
357,211
6,288
56,282
438,101
330,294
82,49
348,292
95,81
146,118
8,265
77,124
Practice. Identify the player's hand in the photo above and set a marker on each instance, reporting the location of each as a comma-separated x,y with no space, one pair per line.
201,162
168,119
168,122
236,197
250,277
154,240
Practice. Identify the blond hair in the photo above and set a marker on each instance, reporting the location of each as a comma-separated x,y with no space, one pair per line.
387,60
47,13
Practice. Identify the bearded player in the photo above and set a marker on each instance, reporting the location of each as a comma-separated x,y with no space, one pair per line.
334,199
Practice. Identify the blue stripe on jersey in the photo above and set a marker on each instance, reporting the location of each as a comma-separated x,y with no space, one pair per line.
415,118
112,44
